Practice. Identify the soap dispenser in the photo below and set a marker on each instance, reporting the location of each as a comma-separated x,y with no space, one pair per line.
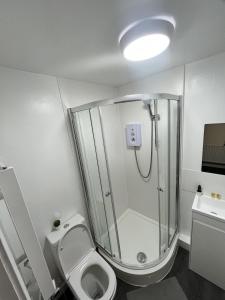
199,190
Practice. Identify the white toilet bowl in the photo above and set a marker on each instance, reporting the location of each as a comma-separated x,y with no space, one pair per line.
88,275
93,278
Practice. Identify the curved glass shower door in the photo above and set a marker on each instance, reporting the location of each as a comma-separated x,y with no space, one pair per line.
136,199
133,215
92,153
168,169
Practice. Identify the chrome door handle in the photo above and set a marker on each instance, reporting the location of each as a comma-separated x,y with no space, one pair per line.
160,189
107,194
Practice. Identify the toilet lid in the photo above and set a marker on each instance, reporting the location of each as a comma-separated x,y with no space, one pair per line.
74,246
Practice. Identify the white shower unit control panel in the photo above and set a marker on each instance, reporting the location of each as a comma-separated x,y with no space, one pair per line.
133,134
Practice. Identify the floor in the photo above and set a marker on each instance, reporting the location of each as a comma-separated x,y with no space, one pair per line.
142,229
194,286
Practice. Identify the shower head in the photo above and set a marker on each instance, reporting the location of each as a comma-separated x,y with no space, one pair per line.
147,103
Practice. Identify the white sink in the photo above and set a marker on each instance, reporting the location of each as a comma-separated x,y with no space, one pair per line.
208,239
209,206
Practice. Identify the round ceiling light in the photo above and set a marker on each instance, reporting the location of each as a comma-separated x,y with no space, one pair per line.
146,39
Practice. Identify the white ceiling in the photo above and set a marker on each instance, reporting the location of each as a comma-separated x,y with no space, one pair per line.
79,38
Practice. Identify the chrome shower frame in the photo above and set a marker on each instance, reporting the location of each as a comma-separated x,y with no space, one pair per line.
146,99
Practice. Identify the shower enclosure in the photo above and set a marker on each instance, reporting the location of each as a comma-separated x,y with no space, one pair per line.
128,150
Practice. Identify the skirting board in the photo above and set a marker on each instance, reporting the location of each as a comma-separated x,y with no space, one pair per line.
184,241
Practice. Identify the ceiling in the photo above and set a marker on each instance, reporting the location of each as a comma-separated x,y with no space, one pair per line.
79,38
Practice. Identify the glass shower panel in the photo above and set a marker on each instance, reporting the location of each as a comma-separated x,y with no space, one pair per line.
12,238
173,156
135,198
167,128
162,140
102,158
96,201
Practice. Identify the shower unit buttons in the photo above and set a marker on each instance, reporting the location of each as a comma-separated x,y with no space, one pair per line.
133,134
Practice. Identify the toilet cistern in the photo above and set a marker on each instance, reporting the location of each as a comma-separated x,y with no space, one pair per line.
87,274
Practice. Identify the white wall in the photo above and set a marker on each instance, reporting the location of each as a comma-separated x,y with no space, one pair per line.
35,140
170,81
141,195
204,103
76,93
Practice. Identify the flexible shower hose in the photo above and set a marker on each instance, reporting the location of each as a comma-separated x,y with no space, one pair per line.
148,175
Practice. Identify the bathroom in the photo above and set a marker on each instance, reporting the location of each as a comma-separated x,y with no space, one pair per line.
61,55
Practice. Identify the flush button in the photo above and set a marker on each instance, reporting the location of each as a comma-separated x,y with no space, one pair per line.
66,225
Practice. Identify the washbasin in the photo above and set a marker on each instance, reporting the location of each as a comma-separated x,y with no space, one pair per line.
209,206
208,239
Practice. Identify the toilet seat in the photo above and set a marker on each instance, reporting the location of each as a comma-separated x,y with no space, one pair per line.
76,275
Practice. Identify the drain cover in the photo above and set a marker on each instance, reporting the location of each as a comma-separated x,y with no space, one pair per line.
141,257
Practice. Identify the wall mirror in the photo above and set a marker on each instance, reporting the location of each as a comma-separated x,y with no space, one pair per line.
213,155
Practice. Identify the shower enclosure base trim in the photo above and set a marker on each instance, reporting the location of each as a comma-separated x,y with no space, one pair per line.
144,277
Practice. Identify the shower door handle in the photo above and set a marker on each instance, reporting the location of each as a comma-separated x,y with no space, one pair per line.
107,194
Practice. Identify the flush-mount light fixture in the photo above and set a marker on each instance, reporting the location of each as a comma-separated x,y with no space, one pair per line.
146,39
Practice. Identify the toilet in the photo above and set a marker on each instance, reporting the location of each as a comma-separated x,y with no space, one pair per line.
88,275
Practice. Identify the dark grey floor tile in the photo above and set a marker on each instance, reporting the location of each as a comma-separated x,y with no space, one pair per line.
194,286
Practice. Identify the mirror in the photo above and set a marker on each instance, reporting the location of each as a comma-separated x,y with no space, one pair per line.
213,156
